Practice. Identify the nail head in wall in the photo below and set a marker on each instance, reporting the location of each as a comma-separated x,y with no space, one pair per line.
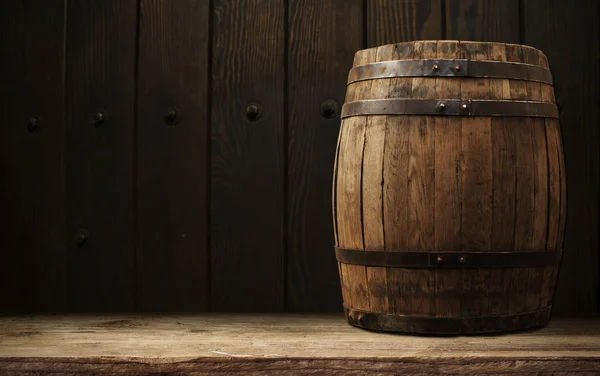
329,108
172,117
99,118
254,112
33,124
80,238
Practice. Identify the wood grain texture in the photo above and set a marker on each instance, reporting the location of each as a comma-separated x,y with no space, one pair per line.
419,283
172,170
549,27
395,189
298,366
349,183
247,158
479,210
373,188
348,194
483,20
476,169
323,37
289,344
503,208
349,206
33,272
373,220
393,21
448,188
100,76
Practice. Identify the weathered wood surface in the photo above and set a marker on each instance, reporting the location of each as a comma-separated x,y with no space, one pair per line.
282,344
99,160
393,21
484,184
172,169
483,20
31,156
247,157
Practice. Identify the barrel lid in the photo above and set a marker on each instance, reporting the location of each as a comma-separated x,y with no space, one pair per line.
475,50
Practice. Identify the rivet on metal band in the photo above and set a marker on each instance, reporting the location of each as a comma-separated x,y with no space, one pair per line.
449,107
450,68
496,259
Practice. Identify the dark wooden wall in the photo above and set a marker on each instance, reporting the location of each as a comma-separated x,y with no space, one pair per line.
176,155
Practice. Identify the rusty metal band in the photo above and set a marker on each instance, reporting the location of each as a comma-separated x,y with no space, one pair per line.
449,107
448,325
450,68
500,259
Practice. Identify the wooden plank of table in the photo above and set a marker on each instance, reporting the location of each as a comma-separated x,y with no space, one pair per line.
286,344
172,156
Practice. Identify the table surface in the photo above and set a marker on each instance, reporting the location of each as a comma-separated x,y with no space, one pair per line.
300,344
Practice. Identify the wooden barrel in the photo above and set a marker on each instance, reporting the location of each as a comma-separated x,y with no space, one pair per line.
449,188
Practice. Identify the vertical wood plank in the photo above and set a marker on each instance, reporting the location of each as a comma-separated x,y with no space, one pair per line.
524,208
548,26
476,168
535,283
247,161
483,20
373,208
324,35
395,188
503,207
372,191
395,198
349,206
524,198
421,190
349,209
503,189
33,272
393,21
447,212
172,156
101,47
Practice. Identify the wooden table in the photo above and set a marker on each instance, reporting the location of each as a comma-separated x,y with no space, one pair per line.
280,345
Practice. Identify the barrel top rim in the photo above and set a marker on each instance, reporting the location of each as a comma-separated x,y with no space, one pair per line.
458,41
